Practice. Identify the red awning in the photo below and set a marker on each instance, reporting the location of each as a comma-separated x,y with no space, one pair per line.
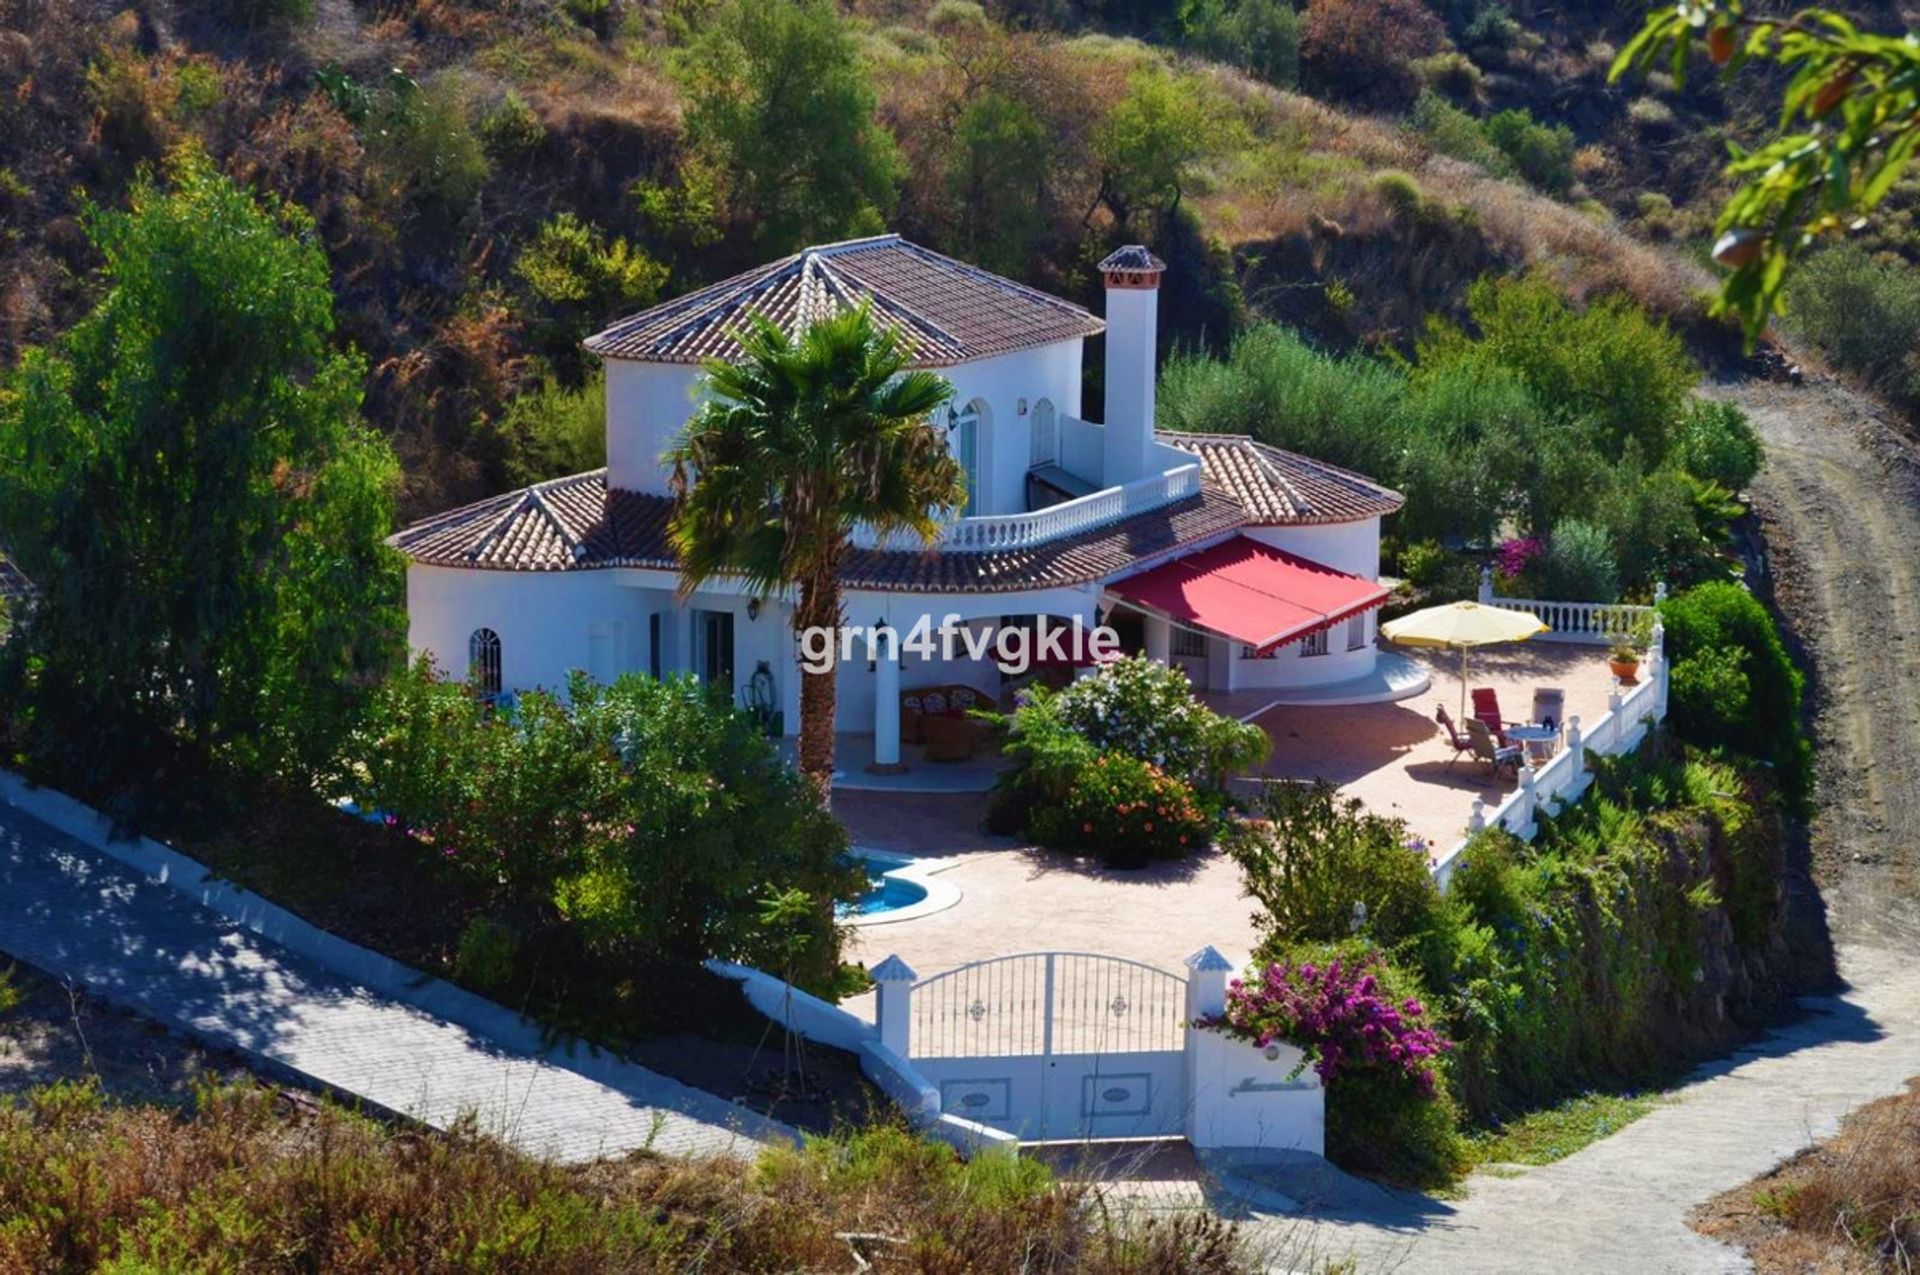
1251,592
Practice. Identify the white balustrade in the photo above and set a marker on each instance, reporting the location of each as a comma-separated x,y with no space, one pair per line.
1564,777
1002,532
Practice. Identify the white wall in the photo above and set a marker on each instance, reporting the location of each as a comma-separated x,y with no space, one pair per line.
1047,371
1289,667
545,620
648,404
1352,547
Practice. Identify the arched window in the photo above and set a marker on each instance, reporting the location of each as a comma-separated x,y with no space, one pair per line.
483,662
1045,449
965,427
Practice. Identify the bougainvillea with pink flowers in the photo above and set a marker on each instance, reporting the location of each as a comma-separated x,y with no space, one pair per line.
1340,1016
1513,557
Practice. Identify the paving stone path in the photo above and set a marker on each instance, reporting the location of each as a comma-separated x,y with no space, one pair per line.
80,915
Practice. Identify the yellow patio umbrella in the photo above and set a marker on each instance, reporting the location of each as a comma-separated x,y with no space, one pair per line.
1462,625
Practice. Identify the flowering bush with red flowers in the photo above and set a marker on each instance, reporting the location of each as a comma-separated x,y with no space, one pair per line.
1340,1016
1125,810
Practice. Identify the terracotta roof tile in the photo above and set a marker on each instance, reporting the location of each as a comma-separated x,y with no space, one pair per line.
949,312
578,523
1280,488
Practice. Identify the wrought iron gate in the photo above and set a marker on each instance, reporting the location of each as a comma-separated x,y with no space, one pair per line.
1056,1045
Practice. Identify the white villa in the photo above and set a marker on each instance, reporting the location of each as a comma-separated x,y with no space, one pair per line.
1253,568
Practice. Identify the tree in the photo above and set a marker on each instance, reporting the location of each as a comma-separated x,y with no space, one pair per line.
580,280
1849,125
186,479
997,179
797,443
1151,145
778,97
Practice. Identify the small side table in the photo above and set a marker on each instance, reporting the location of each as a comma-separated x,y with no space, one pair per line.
1540,740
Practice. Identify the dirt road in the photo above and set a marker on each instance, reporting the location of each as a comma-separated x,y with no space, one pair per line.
1840,504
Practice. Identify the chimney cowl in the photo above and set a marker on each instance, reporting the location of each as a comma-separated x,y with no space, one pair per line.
1132,267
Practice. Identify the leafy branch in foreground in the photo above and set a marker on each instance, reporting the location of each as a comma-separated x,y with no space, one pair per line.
1849,124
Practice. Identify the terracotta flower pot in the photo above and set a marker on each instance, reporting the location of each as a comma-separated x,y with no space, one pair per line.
1628,671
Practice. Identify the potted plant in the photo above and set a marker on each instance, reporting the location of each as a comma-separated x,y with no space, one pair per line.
1623,657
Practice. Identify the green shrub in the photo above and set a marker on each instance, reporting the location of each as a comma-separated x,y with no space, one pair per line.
488,955
1862,312
1126,811
579,280
1733,684
1127,765
552,431
1144,709
649,820
1541,153
421,141
1261,37
1322,868
1579,564
512,129
1716,442
1611,362
1452,131
1424,563
1452,73
1400,192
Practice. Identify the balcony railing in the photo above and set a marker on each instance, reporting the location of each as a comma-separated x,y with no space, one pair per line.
997,533
1599,623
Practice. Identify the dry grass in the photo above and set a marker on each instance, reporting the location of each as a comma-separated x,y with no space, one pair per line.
1849,1204
262,1182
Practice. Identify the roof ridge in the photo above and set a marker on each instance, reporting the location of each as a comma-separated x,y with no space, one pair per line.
1272,466
850,245
894,306
1326,466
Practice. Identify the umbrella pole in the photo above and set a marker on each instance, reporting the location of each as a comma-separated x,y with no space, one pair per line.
1463,684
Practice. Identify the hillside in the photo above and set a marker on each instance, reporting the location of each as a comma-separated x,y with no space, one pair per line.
493,179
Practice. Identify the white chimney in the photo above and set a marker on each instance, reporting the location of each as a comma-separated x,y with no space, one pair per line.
1132,276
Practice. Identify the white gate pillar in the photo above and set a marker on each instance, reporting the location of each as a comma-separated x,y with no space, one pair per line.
1486,586
1207,972
894,982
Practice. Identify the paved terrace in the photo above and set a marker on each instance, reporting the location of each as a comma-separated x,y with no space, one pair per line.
1018,899
1394,758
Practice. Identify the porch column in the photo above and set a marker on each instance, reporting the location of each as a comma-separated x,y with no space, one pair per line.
683,637
1159,639
886,705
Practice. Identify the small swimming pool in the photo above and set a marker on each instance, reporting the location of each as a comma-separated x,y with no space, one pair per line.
885,892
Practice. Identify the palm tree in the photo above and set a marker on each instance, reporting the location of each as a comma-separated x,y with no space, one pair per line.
797,442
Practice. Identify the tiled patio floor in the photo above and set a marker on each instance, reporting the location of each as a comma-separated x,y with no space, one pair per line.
1394,758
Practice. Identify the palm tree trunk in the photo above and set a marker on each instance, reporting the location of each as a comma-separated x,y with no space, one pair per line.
819,608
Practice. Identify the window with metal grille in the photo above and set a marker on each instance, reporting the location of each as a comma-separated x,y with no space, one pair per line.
1189,643
1314,644
483,661
1357,632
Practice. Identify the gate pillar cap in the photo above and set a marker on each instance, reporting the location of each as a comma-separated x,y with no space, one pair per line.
892,970
1206,961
